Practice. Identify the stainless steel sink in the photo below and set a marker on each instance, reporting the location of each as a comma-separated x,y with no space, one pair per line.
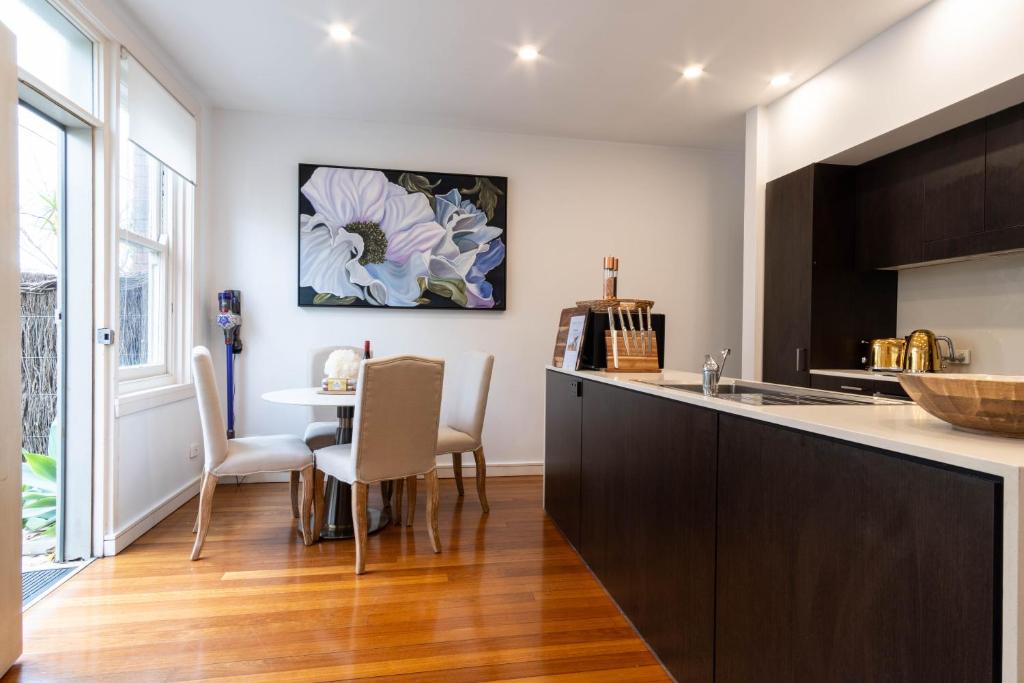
771,395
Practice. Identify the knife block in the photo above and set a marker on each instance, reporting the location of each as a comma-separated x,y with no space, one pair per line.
594,354
637,359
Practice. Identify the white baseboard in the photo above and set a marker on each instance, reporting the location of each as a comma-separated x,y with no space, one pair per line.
444,471
126,535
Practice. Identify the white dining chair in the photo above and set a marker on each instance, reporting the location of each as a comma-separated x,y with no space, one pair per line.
398,409
463,411
322,430
242,457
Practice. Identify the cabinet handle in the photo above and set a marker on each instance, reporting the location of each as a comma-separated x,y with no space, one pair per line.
801,360
849,388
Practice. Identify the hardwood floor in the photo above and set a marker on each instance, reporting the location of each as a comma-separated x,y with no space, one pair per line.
507,599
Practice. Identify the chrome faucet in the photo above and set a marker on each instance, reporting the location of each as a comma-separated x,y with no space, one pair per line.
713,372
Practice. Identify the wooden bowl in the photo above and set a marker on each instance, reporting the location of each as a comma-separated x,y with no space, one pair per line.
988,403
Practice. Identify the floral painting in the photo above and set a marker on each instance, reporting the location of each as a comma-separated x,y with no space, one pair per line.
401,239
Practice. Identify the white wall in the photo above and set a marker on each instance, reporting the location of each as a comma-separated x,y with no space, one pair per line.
980,304
945,52
672,215
948,53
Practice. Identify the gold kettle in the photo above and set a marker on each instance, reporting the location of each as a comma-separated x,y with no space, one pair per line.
922,354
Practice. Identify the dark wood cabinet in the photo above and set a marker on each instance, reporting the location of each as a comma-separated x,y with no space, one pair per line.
859,386
788,244
562,449
954,189
648,518
742,551
1004,170
890,210
814,293
841,563
948,197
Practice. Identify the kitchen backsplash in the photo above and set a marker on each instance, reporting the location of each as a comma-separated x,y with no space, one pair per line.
979,303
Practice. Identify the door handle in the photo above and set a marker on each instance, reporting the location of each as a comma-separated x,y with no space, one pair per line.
801,360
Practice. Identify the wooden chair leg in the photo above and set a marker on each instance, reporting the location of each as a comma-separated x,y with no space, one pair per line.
410,500
205,511
199,508
457,471
399,495
295,493
481,478
307,478
432,496
319,504
359,493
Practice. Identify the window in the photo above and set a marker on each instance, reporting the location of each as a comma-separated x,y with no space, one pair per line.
155,218
155,214
53,49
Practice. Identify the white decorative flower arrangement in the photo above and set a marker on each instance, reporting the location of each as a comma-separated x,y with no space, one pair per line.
341,370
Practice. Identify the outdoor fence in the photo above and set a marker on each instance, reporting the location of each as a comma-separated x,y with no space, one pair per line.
41,357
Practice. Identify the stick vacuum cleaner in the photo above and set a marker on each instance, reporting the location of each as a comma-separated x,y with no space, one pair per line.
230,320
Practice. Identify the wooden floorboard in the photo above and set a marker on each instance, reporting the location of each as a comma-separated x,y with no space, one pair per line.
506,600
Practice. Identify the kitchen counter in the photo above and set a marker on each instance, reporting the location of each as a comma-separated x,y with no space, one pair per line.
785,505
855,373
903,429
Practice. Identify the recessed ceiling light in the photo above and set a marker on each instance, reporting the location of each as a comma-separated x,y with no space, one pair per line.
340,32
528,53
693,71
781,79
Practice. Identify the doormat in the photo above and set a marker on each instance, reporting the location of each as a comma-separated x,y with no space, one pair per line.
37,581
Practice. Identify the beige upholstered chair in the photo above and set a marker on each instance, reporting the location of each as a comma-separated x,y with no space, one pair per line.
242,457
465,404
398,409
322,431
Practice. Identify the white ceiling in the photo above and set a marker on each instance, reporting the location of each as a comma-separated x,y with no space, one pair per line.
609,69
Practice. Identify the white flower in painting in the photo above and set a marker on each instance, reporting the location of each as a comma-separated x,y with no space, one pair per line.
342,364
469,250
368,237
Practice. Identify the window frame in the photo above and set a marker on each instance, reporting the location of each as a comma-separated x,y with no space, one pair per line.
176,216
93,116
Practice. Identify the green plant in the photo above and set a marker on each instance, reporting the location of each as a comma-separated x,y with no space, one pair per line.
39,488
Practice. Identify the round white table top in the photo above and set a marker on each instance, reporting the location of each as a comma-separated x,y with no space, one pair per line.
309,396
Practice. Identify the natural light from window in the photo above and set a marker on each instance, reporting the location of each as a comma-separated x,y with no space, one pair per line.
52,49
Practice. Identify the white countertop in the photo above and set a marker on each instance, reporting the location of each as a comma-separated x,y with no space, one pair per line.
880,375
903,429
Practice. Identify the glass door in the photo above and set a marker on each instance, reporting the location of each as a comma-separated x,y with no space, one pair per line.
42,145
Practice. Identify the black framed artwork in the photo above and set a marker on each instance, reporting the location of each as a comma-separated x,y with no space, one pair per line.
379,238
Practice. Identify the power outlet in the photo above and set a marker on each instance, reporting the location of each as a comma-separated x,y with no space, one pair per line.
193,451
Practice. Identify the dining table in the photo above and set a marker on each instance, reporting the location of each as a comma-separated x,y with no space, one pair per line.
338,495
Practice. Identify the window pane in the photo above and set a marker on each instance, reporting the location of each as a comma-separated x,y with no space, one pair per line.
52,49
40,204
40,184
141,193
142,309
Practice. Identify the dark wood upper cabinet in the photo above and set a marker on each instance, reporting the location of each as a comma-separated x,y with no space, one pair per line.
563,419
890,210
814,292
954,183
841,563
1004,170
951,196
